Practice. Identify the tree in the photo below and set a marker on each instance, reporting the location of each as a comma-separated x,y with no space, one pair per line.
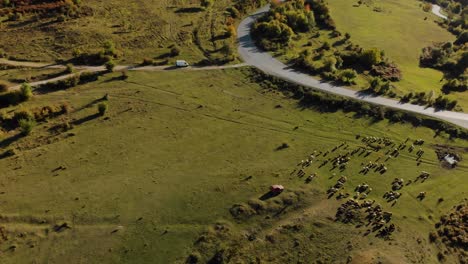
110,65
26,91
27,125
371,57
207,3
462,38
109,48
102,108
348,75
326,45
330,64
3,86
175,51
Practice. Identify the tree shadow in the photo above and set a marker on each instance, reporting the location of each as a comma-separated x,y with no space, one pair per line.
85,119
268,195
189,10
91,104
8,141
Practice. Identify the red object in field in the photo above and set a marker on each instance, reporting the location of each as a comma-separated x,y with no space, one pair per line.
276,188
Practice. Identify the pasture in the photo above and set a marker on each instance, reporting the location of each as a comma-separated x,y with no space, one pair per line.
173,154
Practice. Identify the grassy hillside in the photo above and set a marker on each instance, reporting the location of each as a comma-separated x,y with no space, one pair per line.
177,149
146,29
336,47
401,29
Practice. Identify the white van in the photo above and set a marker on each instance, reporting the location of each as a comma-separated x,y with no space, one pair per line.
181,63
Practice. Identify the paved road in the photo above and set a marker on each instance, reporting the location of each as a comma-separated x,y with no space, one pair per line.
436,11
268,64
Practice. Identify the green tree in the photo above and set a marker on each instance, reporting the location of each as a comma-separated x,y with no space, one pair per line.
348,75
102,108
110,65
27,125
371,57
330,64
26,91
207,3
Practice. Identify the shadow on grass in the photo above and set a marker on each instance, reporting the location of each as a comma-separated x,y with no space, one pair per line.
85,119
189,10
268,195
8,141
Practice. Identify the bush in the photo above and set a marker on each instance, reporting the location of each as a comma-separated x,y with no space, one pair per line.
3,87
230,31
70,68
102,108
147,61
347,76
233,12
124,75
27,125
110,65
207,3
26,91
175,51
371,57
109,49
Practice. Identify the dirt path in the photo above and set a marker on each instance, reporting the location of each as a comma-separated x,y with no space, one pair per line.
84,68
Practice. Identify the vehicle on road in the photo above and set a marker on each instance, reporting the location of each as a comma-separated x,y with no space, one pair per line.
181,64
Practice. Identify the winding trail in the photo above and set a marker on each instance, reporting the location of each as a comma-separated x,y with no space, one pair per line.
270,65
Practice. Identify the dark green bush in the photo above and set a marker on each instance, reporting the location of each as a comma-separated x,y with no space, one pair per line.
102,108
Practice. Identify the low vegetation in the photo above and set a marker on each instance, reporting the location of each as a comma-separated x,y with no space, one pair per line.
161,31
354,40
170,210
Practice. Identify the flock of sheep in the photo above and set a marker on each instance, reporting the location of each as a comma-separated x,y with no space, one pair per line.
341,155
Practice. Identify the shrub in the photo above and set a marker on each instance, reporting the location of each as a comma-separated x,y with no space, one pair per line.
23,114
26,91
326,45
175,51
3,87
70,68
147,61
348,75
233,12
207,3
273,34
27,125
371,57
102,108
109,48
124,75
110,65
230,31
65,108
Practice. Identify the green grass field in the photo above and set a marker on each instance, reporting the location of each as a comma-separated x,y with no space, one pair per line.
401,30
140,30
171,157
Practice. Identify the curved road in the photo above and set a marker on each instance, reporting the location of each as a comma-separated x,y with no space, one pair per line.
268,64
